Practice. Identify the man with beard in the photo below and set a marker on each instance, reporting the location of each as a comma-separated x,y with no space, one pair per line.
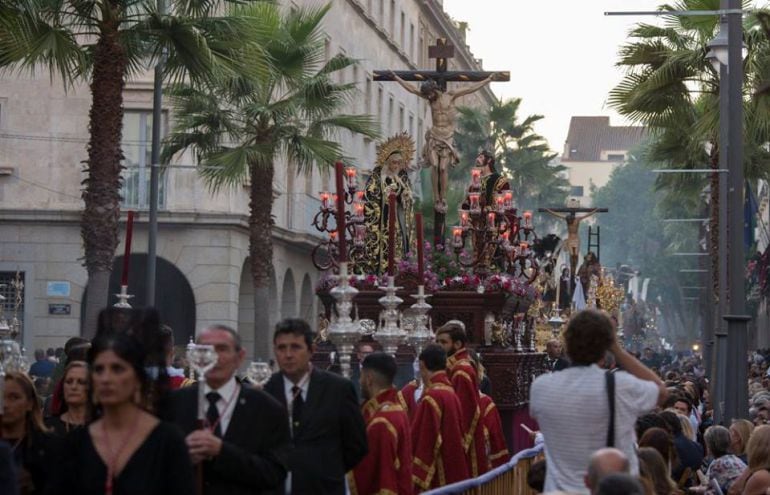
451,337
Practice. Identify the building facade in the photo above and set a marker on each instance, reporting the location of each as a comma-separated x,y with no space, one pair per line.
593,150
203,267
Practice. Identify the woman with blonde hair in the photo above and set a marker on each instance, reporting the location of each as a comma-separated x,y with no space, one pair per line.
75,391
35,451
740,432
756,479
653,469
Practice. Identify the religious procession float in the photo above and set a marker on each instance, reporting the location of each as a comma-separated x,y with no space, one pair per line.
385,284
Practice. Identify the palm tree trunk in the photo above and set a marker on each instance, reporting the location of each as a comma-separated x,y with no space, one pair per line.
99,223
261,251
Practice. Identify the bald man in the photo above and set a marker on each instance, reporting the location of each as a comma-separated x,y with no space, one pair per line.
603,463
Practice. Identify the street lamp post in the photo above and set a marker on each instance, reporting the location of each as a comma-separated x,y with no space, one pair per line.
726,53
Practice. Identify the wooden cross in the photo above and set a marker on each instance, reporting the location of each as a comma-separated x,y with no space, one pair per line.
442,51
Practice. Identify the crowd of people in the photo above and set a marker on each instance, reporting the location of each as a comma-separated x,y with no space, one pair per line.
119,418
642,423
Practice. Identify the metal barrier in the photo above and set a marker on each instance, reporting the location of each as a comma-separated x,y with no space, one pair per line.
508,479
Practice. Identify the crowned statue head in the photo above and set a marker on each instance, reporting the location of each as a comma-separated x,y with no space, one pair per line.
395,154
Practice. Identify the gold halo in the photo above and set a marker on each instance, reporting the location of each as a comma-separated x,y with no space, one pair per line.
401,143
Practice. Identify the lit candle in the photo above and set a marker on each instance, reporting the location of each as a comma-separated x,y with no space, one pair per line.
524,247
127,252
505,238
474,201
420,245
476,177
350,172
358,211
500,202
360,235
491,220
527,219
391,234
359,196
464,218
334,203
333,236
508,200
457,234
325,197
338,169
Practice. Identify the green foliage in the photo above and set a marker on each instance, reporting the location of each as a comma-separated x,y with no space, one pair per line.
251,118
672,89
633,233
522,155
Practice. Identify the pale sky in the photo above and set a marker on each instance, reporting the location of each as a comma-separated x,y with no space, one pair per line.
561,53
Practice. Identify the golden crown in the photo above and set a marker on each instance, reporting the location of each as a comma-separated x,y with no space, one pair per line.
400,143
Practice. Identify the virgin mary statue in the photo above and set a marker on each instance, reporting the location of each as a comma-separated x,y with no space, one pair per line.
389,174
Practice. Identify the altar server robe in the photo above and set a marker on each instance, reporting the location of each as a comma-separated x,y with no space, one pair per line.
439,457
465,382
494,438
387,467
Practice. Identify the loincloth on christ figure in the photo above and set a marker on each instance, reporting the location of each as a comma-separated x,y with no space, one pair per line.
443,146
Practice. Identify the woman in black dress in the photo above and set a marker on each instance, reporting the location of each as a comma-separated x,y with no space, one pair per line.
35,451
126,450
75,390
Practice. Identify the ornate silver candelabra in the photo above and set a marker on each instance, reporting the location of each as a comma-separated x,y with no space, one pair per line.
390,334
343,331
420,335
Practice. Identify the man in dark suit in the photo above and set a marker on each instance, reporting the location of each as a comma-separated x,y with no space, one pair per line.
555,361
243,446
328,431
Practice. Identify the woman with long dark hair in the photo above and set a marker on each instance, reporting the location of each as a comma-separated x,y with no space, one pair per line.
126,449
75,391
35,450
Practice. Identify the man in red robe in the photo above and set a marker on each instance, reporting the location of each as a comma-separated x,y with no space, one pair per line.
387,467
462,373
439,457
407,397
494,438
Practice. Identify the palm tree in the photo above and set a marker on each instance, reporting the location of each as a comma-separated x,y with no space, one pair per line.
672,89
239,125
103,43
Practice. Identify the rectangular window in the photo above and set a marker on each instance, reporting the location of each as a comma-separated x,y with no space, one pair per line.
576,191
411,40
137,159
402,27
393,18
400,119
619,157
380,96
8,289
368,95
390,115
381,17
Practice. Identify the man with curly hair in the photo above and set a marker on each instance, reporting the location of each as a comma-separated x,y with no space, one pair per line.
572,406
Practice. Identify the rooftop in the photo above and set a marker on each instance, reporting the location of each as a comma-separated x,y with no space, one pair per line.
589,136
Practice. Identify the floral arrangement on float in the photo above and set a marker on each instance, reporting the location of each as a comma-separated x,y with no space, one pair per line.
442,273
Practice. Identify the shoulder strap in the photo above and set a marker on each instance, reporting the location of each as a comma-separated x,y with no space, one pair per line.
610,380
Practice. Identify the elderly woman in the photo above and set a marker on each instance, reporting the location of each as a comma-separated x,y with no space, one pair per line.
726,467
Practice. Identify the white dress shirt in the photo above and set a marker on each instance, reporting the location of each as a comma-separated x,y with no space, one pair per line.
226,403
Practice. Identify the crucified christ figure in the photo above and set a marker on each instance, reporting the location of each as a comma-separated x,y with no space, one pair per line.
439,151
573,239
